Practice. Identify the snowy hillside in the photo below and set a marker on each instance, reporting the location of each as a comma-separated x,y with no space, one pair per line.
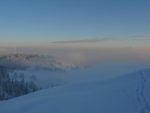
125,94
14,69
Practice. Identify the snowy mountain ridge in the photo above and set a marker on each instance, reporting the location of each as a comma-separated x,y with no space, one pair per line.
124,94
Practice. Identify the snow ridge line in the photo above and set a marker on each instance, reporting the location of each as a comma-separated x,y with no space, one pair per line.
141,98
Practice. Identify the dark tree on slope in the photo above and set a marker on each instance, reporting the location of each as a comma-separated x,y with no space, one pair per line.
11,87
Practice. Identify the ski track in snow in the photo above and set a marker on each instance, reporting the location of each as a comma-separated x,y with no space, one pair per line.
141,98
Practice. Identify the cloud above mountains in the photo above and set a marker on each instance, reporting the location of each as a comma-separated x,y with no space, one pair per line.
101,43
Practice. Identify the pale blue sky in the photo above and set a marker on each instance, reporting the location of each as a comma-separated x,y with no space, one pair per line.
42,21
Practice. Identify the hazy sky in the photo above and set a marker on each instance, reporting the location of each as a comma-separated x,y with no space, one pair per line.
43,21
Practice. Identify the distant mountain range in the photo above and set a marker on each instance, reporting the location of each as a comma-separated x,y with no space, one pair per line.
28,61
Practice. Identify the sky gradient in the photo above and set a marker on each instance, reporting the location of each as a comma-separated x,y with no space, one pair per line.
41,21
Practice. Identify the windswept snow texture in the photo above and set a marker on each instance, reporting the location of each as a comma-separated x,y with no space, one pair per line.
124,94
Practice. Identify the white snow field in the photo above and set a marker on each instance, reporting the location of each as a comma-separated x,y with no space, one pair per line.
129,93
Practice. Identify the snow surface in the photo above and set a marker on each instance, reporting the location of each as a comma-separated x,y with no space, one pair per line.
122,94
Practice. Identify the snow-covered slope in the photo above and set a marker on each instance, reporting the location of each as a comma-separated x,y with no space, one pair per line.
125,94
